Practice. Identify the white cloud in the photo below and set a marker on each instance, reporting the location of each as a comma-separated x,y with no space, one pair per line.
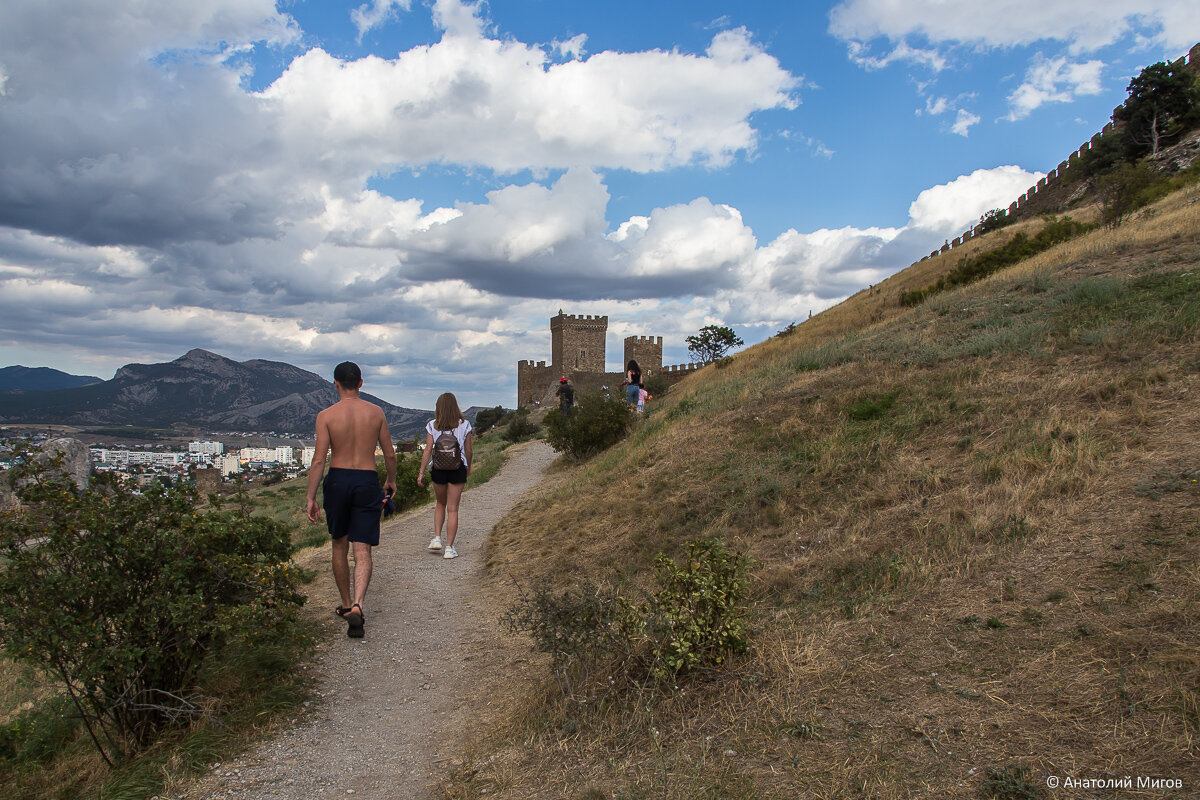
936,105
572,48
959,203
1053,80
963,122
500,104
697,238
523,222
860,54
458,18
1084,27
374,14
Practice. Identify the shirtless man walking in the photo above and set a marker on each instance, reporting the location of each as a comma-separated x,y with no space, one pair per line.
351,427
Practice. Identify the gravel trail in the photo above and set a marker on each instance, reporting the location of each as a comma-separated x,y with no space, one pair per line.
387,715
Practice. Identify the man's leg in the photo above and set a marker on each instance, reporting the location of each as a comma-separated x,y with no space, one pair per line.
341,568
362,572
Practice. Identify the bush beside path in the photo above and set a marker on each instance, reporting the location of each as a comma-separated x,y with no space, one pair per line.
389,709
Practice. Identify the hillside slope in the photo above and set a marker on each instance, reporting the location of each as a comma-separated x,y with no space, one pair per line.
975,527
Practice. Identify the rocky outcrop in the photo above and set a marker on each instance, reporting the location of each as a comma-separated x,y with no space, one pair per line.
76,465
1178,157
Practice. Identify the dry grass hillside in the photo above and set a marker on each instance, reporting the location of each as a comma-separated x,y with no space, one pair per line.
974,527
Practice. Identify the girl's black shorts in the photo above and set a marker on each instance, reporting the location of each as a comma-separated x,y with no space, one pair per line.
455,476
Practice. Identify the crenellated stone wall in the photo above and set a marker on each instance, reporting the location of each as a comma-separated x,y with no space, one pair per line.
532,380
1053,192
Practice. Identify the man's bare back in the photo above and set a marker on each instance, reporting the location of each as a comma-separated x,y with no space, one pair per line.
354,427
351,428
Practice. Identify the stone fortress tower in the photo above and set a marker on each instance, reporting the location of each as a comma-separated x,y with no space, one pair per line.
577,343
577,351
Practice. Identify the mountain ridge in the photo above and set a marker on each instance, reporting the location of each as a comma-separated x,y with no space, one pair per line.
18,378
200,389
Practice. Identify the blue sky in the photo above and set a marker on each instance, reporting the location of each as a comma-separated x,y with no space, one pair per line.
420,186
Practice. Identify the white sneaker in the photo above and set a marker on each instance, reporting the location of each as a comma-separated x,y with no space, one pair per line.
435,543
450,552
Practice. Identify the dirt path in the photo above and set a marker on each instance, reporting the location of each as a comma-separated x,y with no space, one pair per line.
384,723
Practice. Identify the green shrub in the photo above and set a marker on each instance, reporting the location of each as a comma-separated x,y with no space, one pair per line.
38,733
594,425
486,420
869,408
994,220
135,593
408,494
656,385
520,427
973,268
696,619
1120,191
578,628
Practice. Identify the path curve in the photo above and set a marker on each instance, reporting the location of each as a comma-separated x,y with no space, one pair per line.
383,723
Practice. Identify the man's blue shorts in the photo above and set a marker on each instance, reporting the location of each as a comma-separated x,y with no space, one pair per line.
353,504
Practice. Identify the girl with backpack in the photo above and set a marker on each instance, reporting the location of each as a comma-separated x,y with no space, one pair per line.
448,455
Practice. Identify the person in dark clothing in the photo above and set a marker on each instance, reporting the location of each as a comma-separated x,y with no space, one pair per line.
633,382
566,396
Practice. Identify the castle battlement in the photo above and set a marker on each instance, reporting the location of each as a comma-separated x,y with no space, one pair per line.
577,351
1064,171
586,318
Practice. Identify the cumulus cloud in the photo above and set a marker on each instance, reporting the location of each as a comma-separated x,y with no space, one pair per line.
1053,80
800,272
501,105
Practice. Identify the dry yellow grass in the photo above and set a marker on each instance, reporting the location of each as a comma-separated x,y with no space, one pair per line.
998,571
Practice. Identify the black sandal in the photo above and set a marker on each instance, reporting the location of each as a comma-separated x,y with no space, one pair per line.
355,620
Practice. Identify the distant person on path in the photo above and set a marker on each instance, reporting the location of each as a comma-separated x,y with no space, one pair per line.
448,439
643,396
351,427
566,397
633,382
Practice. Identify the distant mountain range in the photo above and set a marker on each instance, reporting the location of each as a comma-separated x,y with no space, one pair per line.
40,379
197,390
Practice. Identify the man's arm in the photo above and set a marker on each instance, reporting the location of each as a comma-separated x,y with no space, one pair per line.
316,470
389,457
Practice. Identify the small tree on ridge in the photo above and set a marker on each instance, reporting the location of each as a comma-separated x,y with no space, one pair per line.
712,343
